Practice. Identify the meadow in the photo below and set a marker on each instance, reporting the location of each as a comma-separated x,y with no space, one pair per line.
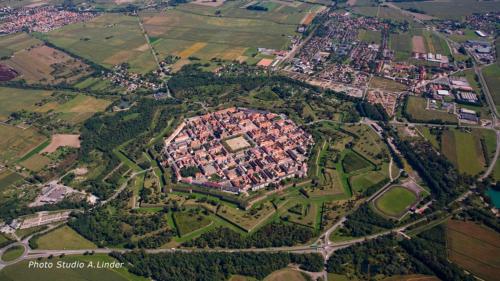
17,142
12,253
247,220
45,65
80,108
491,74
189,221
474,247
10,44
63,238
8,178
14,99
21,271
395,201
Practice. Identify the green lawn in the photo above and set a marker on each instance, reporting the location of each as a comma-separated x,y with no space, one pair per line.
353,162
491,74
13,253
189,221
370,36
395,201
21,271
63,238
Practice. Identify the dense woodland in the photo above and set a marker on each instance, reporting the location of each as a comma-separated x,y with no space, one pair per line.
364,221
213,266
271,235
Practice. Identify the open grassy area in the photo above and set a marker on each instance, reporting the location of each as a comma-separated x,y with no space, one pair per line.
402,46
416,108
286,274
353,162
395,201
81,107
491,74
190,220
474,247
247,220
464,150
16,142
456,9
303,213
36,162
15,99
63,238
8,178
386,84
368,144
108,40
10,44
370,36
21,271
13,253
361,182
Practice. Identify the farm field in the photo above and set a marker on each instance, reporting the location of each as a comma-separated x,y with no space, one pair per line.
474,247
416,108
17,142
81,107
195,32
456,9
386,84
464,149
21,271
395,201
45,65
401,43
63,238
36,162
435,44
382,12
491,74
16,42
108,40
14,99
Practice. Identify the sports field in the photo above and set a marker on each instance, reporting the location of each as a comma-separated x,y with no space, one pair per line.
395,201
16,142
63,238
108,40
474,247
455,9
14,99
21,271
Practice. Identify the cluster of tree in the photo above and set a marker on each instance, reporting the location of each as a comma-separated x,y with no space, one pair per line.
212,266
364,221
257,7
271,235
379,256
190,171
429,248
372,111
116,225
14,207
438,173
154,241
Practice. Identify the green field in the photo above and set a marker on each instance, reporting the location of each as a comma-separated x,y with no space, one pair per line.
17,142
80,108
63,238
416,108
13,253
10,44
353,162
247,220
455,9
189,221
402,46
8,178
361,182
464,150
395,201
21,271
382,12
491,74
370,36
286,274
14,99
108,40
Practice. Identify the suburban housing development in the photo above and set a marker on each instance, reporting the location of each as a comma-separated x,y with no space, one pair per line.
238,149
